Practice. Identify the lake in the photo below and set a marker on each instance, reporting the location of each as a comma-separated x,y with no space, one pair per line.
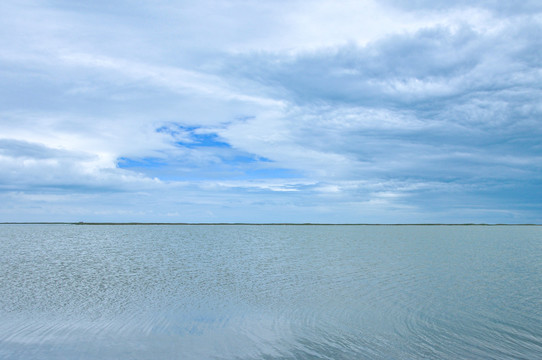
270,292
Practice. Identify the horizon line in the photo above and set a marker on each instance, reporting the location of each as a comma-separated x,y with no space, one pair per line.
259,223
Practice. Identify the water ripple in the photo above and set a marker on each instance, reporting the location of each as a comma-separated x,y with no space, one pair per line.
270,292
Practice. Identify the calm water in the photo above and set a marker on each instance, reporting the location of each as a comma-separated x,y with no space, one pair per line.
270,292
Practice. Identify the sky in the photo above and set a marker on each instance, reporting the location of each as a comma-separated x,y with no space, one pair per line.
318,111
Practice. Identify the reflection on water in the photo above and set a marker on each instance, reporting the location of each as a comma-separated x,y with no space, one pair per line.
270,292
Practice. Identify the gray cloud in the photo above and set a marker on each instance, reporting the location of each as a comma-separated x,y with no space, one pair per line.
28,150
505,8
406,70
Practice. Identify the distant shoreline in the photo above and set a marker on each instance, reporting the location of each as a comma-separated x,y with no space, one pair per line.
260,224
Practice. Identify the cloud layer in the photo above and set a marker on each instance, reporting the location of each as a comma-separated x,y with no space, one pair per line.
284,112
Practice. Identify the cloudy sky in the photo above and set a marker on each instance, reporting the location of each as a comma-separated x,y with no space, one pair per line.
271,111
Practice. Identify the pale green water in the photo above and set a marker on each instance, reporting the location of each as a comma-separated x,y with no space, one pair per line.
270,292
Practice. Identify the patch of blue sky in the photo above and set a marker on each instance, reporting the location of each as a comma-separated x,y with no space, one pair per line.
246,159
149,163
174,128
232,166
204,140
246,166
168,174
269,173
193,136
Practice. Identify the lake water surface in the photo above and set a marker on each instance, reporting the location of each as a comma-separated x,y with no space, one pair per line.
270,292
